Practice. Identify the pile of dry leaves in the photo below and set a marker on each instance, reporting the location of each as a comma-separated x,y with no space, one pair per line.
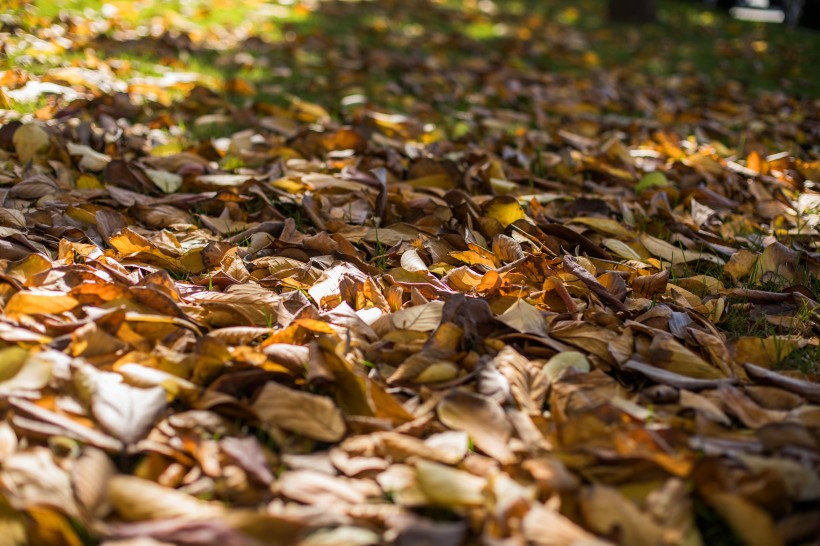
565,327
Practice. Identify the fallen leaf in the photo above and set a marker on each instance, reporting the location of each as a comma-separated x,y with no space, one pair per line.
448,487
136,499
525,318
124,411
30,142
307,414
481,418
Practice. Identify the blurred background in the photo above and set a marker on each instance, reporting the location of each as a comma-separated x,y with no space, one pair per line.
410,56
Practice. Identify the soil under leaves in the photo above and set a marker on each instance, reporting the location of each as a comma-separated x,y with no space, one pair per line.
402,284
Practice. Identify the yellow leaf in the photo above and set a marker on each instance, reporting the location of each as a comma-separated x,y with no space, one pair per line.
21,371
5,102
441,180
621,249
463,279
605,225
420,318
472,258
51,527
81,215
288,185
674,254
88,181
11,361
28,267
40,302
437,371
765,351
751,523
12,528
665,352
741,264
505,209
315,326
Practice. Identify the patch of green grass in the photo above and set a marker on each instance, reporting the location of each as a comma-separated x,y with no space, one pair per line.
689,42
230,163
52,10
205,131
182,276
291,210
82,532
740,322
25,108
805,360
380,256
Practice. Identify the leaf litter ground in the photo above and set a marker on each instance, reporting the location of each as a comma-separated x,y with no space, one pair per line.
409,274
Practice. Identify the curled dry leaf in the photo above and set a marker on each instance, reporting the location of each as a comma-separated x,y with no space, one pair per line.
527,382
90,477
91,160
572,266
411,261
507,249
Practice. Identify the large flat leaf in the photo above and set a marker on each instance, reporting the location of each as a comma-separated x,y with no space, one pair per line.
310,415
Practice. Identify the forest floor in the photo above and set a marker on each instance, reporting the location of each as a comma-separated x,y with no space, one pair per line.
407,272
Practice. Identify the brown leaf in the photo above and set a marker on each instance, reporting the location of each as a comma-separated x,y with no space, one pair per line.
586,277
610,514
750,522
545,527
528,383
30,142
481,418
525,318
310,415
136,499
649,285
448,487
